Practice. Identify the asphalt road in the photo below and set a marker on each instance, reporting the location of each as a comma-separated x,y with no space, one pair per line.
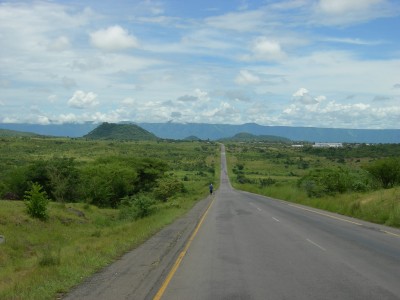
253,247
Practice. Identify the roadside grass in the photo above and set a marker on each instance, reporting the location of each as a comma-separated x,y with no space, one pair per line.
42,259
286,166
381,207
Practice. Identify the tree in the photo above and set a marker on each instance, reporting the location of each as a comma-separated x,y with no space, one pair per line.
36,202
386,171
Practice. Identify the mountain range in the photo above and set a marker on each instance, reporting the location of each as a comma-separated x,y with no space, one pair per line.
218,131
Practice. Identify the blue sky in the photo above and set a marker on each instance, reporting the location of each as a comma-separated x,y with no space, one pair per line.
319,63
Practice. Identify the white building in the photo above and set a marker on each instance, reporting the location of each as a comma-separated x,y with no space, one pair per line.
328,145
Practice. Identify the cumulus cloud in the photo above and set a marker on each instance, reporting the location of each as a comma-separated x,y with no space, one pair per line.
267,49
82,100
246,77
113,38
303,96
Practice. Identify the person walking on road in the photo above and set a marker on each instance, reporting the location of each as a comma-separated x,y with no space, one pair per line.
211,188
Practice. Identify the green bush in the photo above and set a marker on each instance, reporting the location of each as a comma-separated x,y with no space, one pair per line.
331,181
386,171
136,207
168,187
36,202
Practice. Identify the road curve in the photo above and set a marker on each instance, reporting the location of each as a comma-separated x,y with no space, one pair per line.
254,247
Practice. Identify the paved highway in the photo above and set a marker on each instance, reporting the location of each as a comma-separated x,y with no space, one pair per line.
253,247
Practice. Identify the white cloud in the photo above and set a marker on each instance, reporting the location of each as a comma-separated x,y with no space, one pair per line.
301,92
60,44
52,98
352,41
81,100
245,77
303,96
245,21
113,38
345,6
266,49
345,12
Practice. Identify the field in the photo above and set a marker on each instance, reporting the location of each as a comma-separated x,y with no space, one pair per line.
42,258
344,180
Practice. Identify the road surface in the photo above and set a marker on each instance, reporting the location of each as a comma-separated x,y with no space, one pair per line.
252,247
237,245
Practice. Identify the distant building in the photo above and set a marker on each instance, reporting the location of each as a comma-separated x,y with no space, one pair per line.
328,145
297,146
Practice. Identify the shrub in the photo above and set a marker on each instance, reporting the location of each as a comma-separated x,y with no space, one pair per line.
385,171
136,207
168,187
36,202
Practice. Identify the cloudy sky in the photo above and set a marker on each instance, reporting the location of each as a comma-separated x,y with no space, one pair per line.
321,63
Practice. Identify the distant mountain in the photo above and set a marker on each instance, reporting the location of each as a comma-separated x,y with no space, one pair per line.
217,131
65,130
7,132
248,137
110,131
310,134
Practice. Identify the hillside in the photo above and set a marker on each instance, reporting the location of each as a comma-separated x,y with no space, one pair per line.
310,134
110,131
202,131
8,133
248,137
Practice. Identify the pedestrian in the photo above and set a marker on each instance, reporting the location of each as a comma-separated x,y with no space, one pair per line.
211,188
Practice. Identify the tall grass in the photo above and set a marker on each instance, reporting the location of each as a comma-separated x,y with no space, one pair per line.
42,259
381,207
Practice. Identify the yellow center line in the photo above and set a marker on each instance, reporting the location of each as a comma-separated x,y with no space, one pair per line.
178,261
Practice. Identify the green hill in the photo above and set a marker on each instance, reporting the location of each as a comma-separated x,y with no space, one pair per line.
192,138
6,132
111,131
248,137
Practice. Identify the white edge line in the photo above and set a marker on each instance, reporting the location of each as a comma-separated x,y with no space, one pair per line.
316,245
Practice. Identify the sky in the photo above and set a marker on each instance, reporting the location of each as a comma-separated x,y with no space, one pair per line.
313,63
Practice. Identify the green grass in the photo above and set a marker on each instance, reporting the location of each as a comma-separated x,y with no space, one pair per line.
286,167
41,259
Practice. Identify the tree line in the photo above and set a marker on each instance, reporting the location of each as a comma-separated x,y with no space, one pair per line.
104,182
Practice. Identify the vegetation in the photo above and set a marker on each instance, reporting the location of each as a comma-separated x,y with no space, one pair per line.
110,131
36,202
357,180
87,202
8,133
248,137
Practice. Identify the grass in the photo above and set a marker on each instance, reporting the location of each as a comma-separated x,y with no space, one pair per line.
42,259
285,166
